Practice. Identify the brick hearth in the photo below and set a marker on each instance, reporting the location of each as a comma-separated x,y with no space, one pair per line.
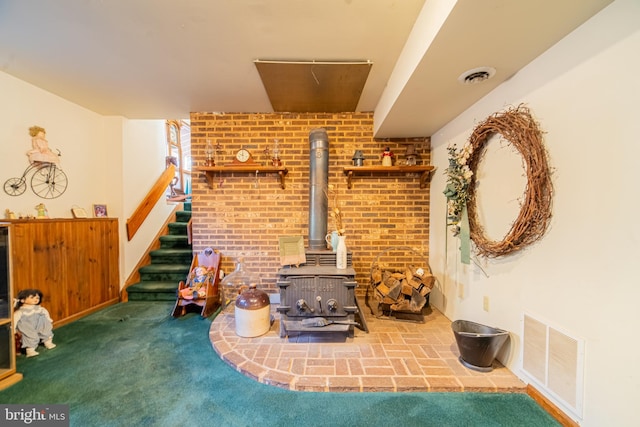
395,356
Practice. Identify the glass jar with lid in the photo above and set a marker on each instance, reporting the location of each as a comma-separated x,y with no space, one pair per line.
234,283
251,305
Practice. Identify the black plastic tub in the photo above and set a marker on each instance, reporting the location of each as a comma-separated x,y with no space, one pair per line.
478,344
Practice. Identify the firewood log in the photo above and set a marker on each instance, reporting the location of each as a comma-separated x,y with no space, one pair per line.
394,291
406,288
383,289
417,301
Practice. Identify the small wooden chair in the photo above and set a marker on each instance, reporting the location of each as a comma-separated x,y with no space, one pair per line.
202,287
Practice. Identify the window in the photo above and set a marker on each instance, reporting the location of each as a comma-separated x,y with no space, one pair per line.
179,151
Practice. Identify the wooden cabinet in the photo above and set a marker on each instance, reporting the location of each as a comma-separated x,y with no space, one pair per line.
74,262
8,375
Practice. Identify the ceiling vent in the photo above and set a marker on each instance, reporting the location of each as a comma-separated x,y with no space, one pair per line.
476,75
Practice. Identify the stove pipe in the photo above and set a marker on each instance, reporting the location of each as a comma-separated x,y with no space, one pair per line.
318,185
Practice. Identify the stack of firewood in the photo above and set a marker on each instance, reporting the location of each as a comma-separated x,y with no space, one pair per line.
404,289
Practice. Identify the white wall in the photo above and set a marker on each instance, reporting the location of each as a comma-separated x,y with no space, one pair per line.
142,163
580,278
108,160
78,133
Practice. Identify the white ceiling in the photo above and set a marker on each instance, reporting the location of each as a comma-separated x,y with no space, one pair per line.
162,59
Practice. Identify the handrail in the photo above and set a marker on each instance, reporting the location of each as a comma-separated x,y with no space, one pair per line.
152,197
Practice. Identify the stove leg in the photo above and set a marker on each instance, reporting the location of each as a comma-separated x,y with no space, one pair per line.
283,331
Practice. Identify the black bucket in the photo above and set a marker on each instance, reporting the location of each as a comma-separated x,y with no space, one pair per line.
478,344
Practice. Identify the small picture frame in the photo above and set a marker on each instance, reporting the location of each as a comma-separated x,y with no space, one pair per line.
78,213
100,211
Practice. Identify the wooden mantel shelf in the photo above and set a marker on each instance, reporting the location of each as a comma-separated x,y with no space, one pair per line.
210,171
424,171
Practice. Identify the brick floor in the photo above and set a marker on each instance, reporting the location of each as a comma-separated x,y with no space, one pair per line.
395,356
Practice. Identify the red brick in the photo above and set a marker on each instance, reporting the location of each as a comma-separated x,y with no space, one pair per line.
231,215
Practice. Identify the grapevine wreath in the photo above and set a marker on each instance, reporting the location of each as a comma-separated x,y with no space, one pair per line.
519,128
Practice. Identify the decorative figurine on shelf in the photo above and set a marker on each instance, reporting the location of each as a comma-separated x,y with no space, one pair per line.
197,288
358,158
387,157
9,214
32,321
42,211
209,154
40,151
275,160
411,156
267,155
216,153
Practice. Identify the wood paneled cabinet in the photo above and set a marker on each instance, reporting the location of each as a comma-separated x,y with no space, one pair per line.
8,375
74,262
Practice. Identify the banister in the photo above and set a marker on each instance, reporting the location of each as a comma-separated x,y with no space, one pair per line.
152,197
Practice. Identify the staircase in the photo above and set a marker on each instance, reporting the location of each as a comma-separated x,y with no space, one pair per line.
169,265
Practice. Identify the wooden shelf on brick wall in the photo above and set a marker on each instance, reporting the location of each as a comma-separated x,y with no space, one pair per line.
424,171
210,171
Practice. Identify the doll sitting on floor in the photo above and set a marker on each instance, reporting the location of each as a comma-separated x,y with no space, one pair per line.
196,288
33,321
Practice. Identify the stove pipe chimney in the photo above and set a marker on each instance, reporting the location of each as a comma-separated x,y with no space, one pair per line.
318,185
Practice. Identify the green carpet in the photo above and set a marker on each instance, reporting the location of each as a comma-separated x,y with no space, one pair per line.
132,364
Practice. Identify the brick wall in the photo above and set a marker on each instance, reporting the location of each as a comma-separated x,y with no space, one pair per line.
245,216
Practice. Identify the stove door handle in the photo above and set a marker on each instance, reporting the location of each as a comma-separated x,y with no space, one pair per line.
303,306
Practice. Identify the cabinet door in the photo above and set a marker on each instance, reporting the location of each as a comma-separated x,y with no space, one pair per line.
7,364
7,348
5,280
39,261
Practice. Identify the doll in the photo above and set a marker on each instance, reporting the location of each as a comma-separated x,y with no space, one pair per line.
40,151
33,321
196,288
387,157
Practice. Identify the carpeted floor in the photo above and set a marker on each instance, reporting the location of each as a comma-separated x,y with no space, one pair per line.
132,364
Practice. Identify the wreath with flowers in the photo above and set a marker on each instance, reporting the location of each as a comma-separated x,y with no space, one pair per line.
458,181
519,128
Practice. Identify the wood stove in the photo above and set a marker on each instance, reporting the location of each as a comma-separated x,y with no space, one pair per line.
317,289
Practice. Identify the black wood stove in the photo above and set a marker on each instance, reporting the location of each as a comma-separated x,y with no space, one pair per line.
316,296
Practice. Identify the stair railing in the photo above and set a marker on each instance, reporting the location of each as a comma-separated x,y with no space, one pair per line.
144,208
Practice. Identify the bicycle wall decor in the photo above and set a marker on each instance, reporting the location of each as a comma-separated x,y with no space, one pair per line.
48,180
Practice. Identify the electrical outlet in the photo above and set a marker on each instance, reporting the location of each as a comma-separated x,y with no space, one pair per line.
485,303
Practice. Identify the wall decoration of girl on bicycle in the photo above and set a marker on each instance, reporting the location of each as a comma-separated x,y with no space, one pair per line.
40,151
48,180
